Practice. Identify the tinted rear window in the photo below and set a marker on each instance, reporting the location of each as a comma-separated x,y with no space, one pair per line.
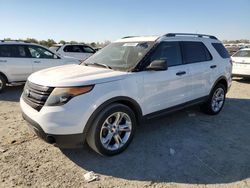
221,50
73,48
195,52
13,51
7,51
242,53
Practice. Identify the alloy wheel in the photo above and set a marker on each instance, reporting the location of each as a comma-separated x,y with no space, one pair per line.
218,99
115,131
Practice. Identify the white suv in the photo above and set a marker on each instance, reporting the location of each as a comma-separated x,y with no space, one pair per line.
78,51
19,59
132,79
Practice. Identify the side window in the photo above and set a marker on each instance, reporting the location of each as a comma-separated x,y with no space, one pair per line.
195,52
73,48
87,49
40,53
7,51
169,51
68,49
221,50
21,51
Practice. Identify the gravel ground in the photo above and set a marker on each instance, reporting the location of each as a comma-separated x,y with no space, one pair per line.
184,149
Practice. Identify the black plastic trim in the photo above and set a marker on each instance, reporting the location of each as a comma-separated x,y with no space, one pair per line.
175,108
241,75
218,80
61,141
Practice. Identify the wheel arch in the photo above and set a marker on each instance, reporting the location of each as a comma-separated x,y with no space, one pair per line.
4,76
221,80
131,103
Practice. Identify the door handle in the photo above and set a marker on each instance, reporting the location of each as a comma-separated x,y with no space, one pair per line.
3,61
181,73
213,66
37,61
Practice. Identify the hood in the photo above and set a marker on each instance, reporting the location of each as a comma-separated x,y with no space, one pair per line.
75,75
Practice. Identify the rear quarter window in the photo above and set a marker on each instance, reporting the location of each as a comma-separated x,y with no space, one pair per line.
10,50
194,52
7,51
221,50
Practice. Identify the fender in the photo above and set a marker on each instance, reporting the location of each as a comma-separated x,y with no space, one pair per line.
121,99
2,74
221,78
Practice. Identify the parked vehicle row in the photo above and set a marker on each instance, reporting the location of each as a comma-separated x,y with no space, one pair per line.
18,60
133,79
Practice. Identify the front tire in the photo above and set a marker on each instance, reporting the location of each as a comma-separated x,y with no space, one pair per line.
2,83
112,130
215,101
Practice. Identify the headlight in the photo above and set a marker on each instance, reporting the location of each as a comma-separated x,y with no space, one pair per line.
61,96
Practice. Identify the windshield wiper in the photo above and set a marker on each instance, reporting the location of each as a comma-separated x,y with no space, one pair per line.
101,65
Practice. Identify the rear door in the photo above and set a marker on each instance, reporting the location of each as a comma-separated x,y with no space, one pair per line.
165,89
42,58
201,65
15,62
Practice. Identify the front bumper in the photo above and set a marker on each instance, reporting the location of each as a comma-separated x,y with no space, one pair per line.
61,141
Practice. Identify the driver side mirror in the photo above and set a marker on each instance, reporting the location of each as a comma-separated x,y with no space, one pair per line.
157,65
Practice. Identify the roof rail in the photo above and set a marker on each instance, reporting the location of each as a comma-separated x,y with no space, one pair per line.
128,37
190,34
14,41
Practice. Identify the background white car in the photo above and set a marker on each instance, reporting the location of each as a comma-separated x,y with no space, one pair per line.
241,63
19,59
79,51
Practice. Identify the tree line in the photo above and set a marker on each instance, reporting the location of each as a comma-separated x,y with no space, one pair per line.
51,42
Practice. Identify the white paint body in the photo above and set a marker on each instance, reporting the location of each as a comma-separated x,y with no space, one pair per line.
19,69
241,65
78,55
152,90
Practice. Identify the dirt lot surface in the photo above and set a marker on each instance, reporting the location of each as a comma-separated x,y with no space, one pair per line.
184,149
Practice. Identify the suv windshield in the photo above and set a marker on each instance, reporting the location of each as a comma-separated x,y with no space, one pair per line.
54,48
122,56
242,53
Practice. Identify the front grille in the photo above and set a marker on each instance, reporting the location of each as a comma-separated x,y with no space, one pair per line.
36,95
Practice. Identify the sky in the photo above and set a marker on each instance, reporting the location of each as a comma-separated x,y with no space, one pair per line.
100,20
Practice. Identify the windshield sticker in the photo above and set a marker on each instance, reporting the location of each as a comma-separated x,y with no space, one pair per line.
130,44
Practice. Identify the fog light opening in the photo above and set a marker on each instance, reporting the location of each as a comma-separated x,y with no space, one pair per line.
51,139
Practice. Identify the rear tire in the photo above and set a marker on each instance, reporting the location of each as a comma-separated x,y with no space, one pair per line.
112,130
2,83
215,101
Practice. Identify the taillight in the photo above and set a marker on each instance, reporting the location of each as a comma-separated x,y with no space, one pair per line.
231,61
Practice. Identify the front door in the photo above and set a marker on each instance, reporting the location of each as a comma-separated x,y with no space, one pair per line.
41,58
165,89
